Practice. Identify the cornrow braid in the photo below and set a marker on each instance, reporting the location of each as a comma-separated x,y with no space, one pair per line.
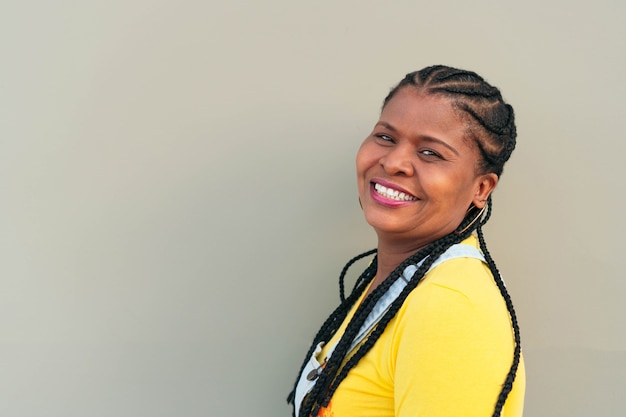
491,126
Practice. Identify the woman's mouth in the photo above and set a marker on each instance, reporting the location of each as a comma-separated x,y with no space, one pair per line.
392,194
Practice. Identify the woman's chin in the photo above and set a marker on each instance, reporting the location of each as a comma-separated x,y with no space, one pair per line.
384,225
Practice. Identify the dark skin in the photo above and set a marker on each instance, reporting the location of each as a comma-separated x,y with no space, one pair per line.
417,176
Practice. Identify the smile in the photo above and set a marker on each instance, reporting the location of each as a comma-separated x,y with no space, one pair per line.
392,194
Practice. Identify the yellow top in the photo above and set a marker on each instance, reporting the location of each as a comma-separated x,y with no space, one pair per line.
446,353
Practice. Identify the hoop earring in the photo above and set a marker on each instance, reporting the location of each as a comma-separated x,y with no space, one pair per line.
478,216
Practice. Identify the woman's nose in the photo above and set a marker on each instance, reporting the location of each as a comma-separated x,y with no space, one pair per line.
398,161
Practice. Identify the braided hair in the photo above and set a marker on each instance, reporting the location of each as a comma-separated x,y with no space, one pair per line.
491,126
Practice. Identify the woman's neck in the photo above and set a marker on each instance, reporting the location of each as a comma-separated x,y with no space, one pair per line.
389,256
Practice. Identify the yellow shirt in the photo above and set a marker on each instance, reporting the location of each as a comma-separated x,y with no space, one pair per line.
446,353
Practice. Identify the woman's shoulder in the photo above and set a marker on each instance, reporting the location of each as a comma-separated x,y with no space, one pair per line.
456,296
466,274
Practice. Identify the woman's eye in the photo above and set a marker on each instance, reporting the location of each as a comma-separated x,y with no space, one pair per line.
386,138
430,153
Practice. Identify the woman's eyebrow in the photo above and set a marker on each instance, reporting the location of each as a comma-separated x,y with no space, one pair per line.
386,125
441,142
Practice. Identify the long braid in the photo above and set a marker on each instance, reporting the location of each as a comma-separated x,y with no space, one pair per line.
510,378
333,322
491,126
342,295
334,363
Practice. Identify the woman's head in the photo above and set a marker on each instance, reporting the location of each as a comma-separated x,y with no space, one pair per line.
417,173
491,121
436,151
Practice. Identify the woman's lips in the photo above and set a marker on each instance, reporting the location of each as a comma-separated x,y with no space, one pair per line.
390,195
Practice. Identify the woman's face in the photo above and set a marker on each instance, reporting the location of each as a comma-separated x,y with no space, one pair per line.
417,172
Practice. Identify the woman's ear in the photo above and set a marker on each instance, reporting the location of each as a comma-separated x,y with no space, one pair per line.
485,185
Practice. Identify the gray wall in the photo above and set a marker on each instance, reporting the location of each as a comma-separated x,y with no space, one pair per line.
178,194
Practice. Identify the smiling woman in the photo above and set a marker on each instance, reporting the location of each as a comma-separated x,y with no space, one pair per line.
429,329
418,147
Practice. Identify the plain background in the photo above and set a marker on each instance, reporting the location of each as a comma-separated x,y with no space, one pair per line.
178,193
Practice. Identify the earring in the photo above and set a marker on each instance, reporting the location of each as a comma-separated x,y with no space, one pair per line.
478,216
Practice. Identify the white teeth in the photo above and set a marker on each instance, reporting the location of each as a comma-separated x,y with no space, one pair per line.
392,194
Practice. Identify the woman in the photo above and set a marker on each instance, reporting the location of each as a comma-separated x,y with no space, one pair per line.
429,329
